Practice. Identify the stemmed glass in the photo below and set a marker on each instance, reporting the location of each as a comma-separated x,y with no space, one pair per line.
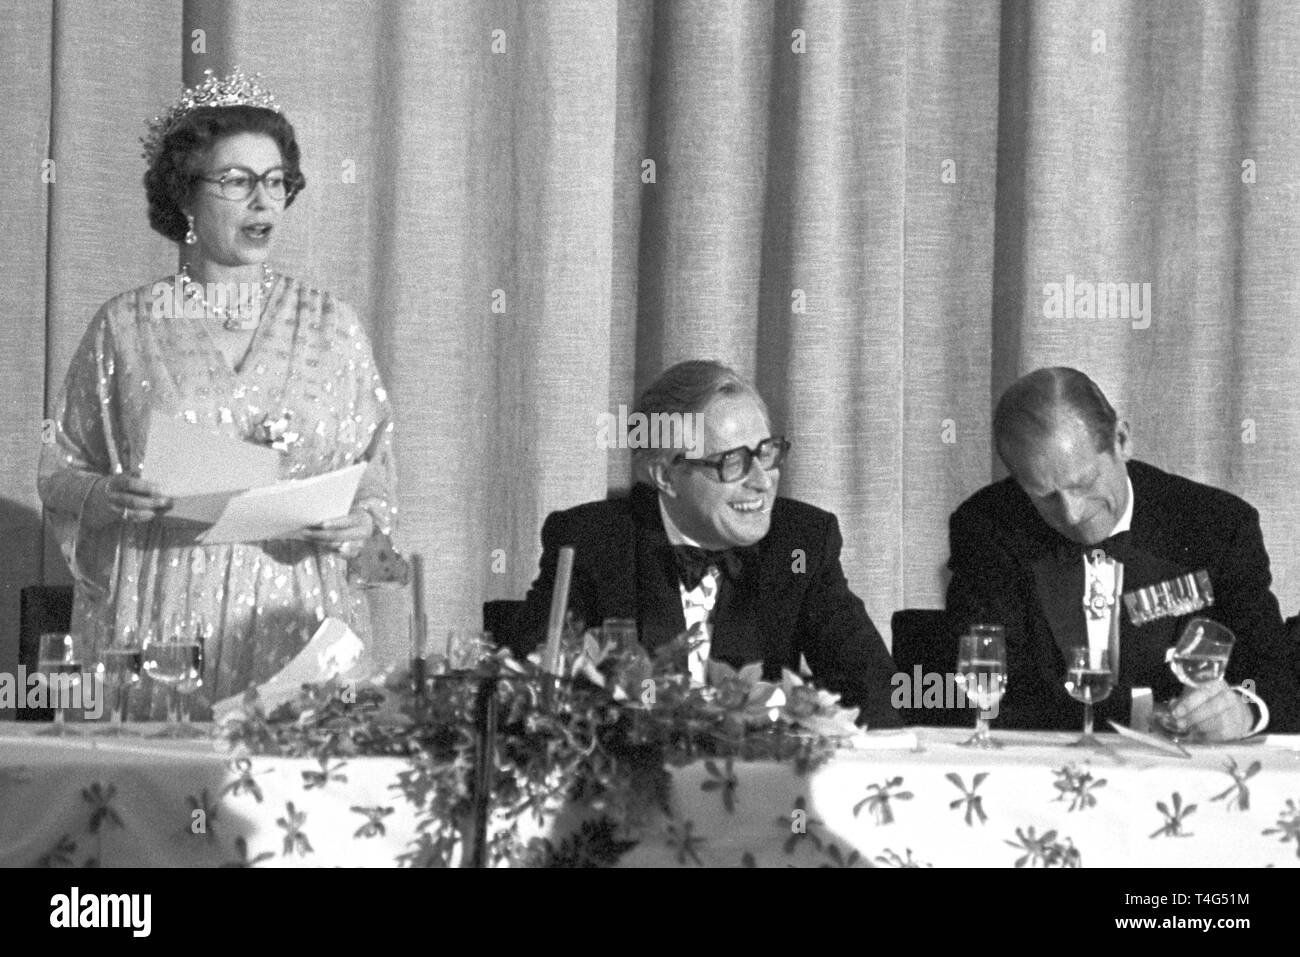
466,647
621,631
118,668
1202,653
1199,657
982,666
173,657
59,660
186,688
1089,679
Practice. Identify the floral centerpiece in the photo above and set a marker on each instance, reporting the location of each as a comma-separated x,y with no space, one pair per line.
579,766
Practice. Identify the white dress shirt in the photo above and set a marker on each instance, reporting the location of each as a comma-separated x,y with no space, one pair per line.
697,603
1100,573
1125,522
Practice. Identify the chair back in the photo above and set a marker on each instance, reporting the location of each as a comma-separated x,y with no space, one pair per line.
1293,643
922,638
499,616
42,608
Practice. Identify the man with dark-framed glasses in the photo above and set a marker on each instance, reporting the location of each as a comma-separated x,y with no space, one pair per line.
704,544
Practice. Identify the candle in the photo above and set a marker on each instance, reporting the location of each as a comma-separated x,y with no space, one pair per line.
419,622
1113,638
559,602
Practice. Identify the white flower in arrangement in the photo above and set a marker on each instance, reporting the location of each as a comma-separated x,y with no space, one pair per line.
740,688
565,743
817,710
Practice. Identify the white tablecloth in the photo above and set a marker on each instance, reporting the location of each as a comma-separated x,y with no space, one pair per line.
130,802
925,808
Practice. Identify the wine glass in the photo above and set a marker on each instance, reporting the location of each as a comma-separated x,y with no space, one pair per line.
1200,656
1089,679
622,632
171,657
118,671
982,668
59,660
188,686
466,647
1202,653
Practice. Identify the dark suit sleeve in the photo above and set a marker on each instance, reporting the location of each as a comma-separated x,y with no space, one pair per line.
528,628
843,647
989,586
1244,602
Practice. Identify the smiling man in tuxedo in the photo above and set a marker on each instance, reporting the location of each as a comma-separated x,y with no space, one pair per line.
1017,559
704,541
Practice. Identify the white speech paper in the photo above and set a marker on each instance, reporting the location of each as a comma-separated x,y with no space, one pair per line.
333,651
273,511
187,461
200,508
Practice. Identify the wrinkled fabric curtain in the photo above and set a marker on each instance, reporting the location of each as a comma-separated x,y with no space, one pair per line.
882,211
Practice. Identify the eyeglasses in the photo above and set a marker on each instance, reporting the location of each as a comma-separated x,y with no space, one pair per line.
734,465
238,182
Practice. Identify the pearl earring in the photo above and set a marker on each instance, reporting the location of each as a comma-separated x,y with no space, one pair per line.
191,237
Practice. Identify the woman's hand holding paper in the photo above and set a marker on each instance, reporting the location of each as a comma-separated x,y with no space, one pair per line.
124,498
346,534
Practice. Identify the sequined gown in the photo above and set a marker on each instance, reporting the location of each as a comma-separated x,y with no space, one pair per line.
261,601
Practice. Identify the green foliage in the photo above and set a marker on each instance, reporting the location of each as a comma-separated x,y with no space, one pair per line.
598,740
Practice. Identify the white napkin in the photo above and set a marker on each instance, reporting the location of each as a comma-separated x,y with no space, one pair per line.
884,740
334,651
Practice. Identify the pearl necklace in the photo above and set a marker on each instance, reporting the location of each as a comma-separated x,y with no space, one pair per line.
246,317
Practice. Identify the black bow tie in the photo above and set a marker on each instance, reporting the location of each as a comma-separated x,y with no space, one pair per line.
1117,547
694,563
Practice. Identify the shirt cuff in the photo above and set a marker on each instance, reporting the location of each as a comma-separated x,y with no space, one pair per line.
381,513
67,489
1257,707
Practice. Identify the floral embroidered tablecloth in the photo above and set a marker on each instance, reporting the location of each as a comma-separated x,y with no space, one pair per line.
1035,803
133,802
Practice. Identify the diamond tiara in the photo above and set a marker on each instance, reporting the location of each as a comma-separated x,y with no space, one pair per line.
237,89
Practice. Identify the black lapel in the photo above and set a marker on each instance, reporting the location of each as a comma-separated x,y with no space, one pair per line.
1150,517
658,597
778,589
1142,649
1058,582
614,573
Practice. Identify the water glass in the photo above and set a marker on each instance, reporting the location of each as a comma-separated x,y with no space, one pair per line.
982,668
621,632
118,669
1199,656
1202,652
1088,679
466,647
58,659
173,657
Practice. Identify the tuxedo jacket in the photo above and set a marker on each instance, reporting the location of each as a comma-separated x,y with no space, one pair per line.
1010,568
789,598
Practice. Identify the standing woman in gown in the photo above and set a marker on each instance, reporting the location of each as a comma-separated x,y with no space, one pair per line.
279,363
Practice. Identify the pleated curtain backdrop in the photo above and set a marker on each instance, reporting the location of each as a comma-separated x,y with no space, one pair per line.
537,206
